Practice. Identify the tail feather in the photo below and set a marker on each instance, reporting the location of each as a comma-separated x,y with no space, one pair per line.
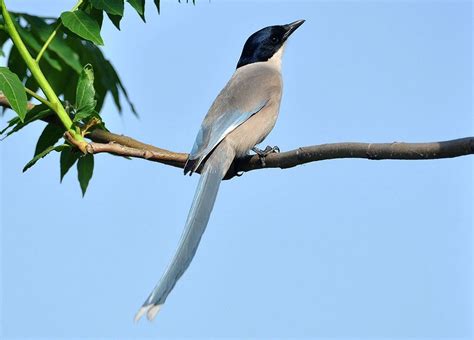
214,170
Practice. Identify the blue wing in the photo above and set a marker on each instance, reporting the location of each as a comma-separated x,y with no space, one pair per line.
246,93
210,135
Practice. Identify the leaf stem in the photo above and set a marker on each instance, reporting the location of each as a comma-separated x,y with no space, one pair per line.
79,3
39,98
56,104
53,34
48,41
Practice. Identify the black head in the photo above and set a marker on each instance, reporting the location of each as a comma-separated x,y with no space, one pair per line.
263,44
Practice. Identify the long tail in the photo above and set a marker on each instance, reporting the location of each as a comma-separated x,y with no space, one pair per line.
214,170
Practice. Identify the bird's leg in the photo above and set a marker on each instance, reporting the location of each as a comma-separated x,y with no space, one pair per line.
263,153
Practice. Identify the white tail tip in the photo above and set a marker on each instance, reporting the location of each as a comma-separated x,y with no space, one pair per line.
153,311
149,310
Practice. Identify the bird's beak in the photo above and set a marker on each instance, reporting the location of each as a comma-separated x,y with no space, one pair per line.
290,28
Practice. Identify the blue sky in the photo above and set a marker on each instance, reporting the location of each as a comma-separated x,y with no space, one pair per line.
342,248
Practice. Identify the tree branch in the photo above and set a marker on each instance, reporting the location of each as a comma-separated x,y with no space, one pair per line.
119,145
104,141
126,146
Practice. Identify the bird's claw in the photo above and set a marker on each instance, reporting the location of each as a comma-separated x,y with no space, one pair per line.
263,153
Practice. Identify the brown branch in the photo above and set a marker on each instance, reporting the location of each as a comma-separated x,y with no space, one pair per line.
372,151
289,159
120,145
4,102
104,141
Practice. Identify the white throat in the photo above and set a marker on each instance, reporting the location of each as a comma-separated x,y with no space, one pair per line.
275,60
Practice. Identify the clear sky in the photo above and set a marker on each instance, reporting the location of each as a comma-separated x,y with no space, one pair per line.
335,249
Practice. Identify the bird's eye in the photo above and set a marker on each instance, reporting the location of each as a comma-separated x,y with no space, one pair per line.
274,40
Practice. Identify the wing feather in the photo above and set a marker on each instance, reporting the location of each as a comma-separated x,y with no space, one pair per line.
245,94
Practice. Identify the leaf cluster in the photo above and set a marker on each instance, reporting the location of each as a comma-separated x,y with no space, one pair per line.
67,51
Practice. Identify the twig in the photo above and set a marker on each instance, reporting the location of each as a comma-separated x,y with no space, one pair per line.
48,41
39,98
5,104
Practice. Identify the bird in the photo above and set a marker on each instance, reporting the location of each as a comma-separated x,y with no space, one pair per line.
241,116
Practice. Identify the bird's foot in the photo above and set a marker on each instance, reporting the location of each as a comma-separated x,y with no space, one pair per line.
263,153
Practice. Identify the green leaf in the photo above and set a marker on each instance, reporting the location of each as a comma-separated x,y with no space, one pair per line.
107,79
127,98
63,83
69,56
83,25
115,20
58,148
113,88
85,169
12,122
84,115
67,159
50,136
16,64
32,84
157,4
139,6
85,93
113,7
96,14
87,54
36,113
118,83
13,89
4,37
